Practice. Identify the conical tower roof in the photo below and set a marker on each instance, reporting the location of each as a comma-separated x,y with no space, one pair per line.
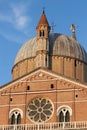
43,20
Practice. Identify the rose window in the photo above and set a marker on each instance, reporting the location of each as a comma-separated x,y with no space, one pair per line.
40,110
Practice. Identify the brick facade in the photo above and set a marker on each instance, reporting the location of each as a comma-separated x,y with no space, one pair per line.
60,90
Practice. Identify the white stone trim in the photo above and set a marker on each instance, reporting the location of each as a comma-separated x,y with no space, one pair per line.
15,105
63,102
36,92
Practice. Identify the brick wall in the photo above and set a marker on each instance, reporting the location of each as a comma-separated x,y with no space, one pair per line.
62,94
69,67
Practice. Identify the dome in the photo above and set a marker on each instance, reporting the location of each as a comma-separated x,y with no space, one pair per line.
56,52
63,45
59,44
26,51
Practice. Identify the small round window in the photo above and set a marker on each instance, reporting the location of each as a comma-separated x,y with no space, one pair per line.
40,110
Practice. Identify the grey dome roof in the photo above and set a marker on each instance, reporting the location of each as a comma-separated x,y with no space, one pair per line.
66,46
26,51
59,45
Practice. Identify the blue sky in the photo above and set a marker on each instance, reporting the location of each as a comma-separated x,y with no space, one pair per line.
18,20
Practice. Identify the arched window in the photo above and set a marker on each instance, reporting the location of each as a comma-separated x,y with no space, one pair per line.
64,114
42,33
19,119
15,116
61,117
67,116
13,119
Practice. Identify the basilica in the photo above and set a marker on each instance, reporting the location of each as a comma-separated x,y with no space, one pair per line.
49,83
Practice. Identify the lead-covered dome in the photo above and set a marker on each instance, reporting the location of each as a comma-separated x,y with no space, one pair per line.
59,44
63,45
59,53
26,51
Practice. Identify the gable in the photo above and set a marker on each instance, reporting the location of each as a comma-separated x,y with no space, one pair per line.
37,77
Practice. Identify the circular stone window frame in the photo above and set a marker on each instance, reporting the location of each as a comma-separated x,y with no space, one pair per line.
32,100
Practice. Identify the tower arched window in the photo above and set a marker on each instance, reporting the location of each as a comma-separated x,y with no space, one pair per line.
41,33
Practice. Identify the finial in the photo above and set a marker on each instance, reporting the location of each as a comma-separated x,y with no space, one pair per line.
73,31
73,28
43,10
52,26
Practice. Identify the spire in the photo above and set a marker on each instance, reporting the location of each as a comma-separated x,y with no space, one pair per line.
43,20
43,27
73,31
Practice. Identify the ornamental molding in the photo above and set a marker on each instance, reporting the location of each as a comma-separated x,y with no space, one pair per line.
46,76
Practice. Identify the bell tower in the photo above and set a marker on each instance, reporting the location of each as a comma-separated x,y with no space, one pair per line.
42,44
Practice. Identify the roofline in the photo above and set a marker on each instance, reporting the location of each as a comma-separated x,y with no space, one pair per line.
58,76
50,55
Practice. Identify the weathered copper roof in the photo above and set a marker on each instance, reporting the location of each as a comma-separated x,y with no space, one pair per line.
59,44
